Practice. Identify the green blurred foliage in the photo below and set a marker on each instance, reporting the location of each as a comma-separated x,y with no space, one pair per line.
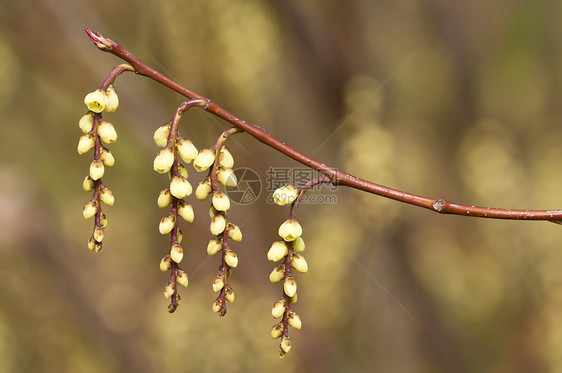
457,100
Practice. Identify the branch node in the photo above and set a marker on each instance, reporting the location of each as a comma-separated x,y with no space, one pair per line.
438,205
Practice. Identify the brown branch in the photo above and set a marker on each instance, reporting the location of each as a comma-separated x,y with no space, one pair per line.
336,176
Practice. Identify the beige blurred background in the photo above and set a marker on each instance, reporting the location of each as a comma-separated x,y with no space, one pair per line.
455,100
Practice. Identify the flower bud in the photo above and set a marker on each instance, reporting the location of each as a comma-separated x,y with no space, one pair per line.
185,210
295,320
277,274
225,158
167,223
86,123
213,212
98,234
285,195
181,278
217,307
226,177
298,244
218,223
112,99
91,244
290,230
107,132
234,233
290,286
293,299
169,290
176,253
180,236
88,184
89,210
161,135
165,199
103,220
86,143
214,246
277,331
106,196
96,101
106,157
165,264
164,160
220,201
231,258
182,171
186,150
218,283
180,187
96,170
204,160
278,308
229,294
299,263
203,189
277,251
286,344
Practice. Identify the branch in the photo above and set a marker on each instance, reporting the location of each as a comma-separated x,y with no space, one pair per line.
336,176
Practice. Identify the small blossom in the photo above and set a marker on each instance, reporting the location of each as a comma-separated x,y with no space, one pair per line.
227,177
218,224
181,278
165,264
106,196
298,244
231,258
176,253
278,308
165,199
86,123
203,190
286,344
96,101
185,210
161,135
180,236
290,286
214,246
225,158
217,306
112,99
277,251
89,210
98,234
204,160
218,283
220,201
229,294
169,290
86,143
164,160
96,170
88,184
277,331
299,263
212,212
290,230
107,132
285,195
167,223
182,170
106,157
92,244
295,320
180,187
103,220
277,274
234,233
186,150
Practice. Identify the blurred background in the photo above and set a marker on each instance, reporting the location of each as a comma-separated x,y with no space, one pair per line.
453,100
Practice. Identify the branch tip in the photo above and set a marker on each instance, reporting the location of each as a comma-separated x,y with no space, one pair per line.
101,42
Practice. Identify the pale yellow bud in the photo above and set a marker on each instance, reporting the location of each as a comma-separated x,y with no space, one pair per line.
290,286
165,264
169,290
96,101
217,306
231,258
106,196
234,233
298,244
180,187
86,123
214,246
89,210
278,308
186,150
112,99
180,236
277,331
227,177
88,184
218,224
106,157
165,199
182,170
161,135
98,234
225,158
229,294
220,201
203,190
277,251
185,210
299,263
181,278
293,299
286,344
167,223
92,244
107,132
204,160
103,220
96,170
176,253
218,283
164,160
277,274
290,230
295,320
86,143
285,195
213,212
